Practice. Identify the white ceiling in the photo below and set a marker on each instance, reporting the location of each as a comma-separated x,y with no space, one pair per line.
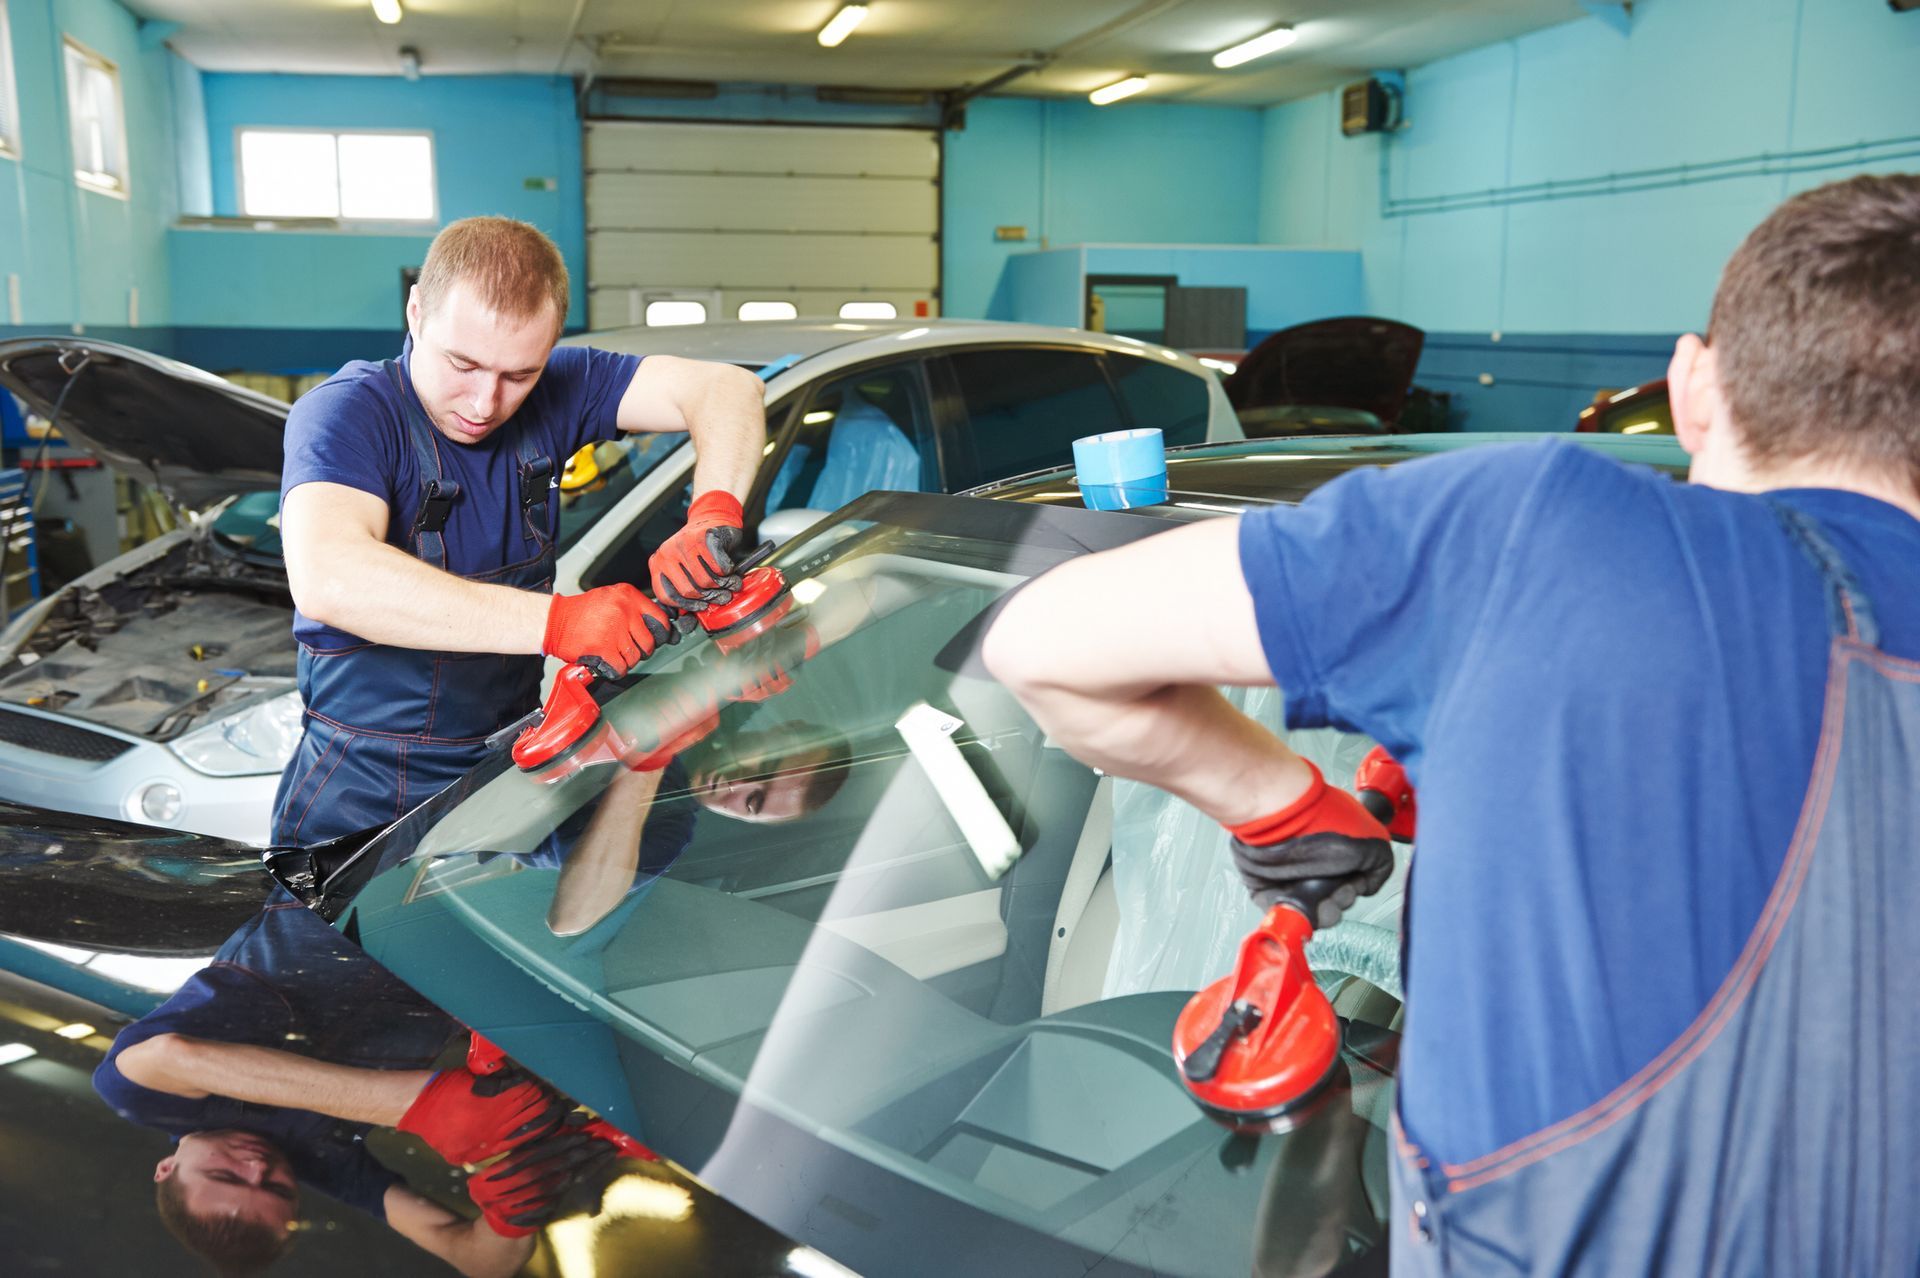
904,44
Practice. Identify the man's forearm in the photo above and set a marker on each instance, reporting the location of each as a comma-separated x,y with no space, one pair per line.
384,595
1185,739
182,1065
601,866
728,426
470,1246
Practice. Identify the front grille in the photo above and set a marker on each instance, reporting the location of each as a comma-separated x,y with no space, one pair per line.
50,736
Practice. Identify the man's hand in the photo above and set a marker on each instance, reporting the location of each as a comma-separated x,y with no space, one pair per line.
466,1118
618,624
522,1191
693,568
1321,852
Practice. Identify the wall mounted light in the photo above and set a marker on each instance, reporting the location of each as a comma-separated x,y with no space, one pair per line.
841,24
1118,89
1258,47
388,11
410,62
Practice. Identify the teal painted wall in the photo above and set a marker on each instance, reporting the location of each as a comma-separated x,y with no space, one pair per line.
1577,191
490,133
1074,173
82,257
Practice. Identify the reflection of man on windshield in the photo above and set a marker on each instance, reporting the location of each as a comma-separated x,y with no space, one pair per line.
268,1067
774,774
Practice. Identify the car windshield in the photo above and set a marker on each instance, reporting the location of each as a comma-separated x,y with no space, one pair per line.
823,909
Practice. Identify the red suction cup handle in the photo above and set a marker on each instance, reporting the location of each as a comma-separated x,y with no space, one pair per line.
1262,1039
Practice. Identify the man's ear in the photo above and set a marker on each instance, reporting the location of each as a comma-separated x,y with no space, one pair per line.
164,1168
413,311
1693,391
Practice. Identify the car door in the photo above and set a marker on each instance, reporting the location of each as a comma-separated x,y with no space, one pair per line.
854,431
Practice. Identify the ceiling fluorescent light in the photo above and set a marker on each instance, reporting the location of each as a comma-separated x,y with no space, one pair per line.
78,1029
840,25
1118,89
388,11
1258,47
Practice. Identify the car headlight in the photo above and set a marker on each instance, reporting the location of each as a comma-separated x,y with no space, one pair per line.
257,741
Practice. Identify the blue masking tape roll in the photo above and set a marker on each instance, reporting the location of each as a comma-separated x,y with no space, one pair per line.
1121,468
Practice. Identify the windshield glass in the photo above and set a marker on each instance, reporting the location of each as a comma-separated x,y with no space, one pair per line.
839,903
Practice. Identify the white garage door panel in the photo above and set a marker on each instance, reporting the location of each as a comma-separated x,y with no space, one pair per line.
727,148
699,202
671,259
815,216
619,307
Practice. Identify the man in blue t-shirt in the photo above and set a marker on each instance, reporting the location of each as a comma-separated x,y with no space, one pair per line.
419,514
1660,1016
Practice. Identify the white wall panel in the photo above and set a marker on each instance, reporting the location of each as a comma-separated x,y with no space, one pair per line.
815,216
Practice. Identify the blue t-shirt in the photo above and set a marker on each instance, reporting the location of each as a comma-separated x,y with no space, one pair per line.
288,981
351,430
1607,687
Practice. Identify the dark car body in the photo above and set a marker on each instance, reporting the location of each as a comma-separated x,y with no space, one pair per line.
1638,410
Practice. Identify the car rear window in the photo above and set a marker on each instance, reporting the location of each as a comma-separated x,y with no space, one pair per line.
1162,396
1026,408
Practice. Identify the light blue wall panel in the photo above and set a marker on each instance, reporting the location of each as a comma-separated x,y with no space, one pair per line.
1073,173
491,135
81,257
1045,288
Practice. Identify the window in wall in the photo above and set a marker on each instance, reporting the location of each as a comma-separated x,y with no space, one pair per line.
9,100
768,310
868,310
667,314
368,177
97,120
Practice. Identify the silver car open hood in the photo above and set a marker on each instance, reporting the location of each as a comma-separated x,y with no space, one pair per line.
193,436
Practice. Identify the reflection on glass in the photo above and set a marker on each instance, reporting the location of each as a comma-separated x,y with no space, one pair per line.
875,966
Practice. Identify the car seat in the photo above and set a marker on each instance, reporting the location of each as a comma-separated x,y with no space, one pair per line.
865,451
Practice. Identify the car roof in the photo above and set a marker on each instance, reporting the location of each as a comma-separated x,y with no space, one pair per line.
1227,478
757,343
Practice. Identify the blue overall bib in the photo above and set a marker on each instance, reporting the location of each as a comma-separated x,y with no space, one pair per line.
1773,1136
386,727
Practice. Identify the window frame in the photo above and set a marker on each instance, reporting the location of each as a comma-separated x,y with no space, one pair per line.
122,186
433,173
10,143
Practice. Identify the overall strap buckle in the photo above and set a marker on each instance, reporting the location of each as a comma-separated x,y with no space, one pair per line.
535,478
436,503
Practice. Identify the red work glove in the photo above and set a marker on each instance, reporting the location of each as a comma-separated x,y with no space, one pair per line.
616,624
465,1118
693,568
522,1191
1381,774
1321,852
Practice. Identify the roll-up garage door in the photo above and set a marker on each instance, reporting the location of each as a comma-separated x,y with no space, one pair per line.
725,215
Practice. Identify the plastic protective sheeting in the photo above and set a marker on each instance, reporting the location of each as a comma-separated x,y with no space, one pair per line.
1183,910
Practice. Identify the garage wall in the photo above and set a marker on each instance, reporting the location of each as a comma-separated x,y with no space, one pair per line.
1074,173
1664,147
296,300
82,257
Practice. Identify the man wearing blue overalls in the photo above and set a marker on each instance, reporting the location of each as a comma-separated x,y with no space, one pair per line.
419,513
1662,1014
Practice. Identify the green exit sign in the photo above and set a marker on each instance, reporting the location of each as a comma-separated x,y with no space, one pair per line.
540,184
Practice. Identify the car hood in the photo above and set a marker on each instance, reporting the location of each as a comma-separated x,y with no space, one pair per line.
193,436
1353,362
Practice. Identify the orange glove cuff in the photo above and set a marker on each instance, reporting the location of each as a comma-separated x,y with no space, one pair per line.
1323,809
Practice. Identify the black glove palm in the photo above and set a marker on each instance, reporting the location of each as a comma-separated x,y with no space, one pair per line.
1323,874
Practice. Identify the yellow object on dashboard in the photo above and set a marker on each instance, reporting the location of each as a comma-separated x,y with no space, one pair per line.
581,470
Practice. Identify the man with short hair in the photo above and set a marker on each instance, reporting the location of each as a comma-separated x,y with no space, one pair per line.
1660,1014
419,511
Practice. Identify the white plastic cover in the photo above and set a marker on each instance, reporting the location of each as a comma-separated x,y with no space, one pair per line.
1183,910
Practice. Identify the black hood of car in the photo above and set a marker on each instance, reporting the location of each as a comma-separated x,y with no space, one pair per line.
1358,361
194,436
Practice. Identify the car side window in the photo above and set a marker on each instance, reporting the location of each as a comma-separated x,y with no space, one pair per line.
1163,397
864,433
1026,407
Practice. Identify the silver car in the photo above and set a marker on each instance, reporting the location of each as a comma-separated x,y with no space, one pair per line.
159,687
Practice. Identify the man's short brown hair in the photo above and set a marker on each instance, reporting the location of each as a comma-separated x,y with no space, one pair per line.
1816,327
512,267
